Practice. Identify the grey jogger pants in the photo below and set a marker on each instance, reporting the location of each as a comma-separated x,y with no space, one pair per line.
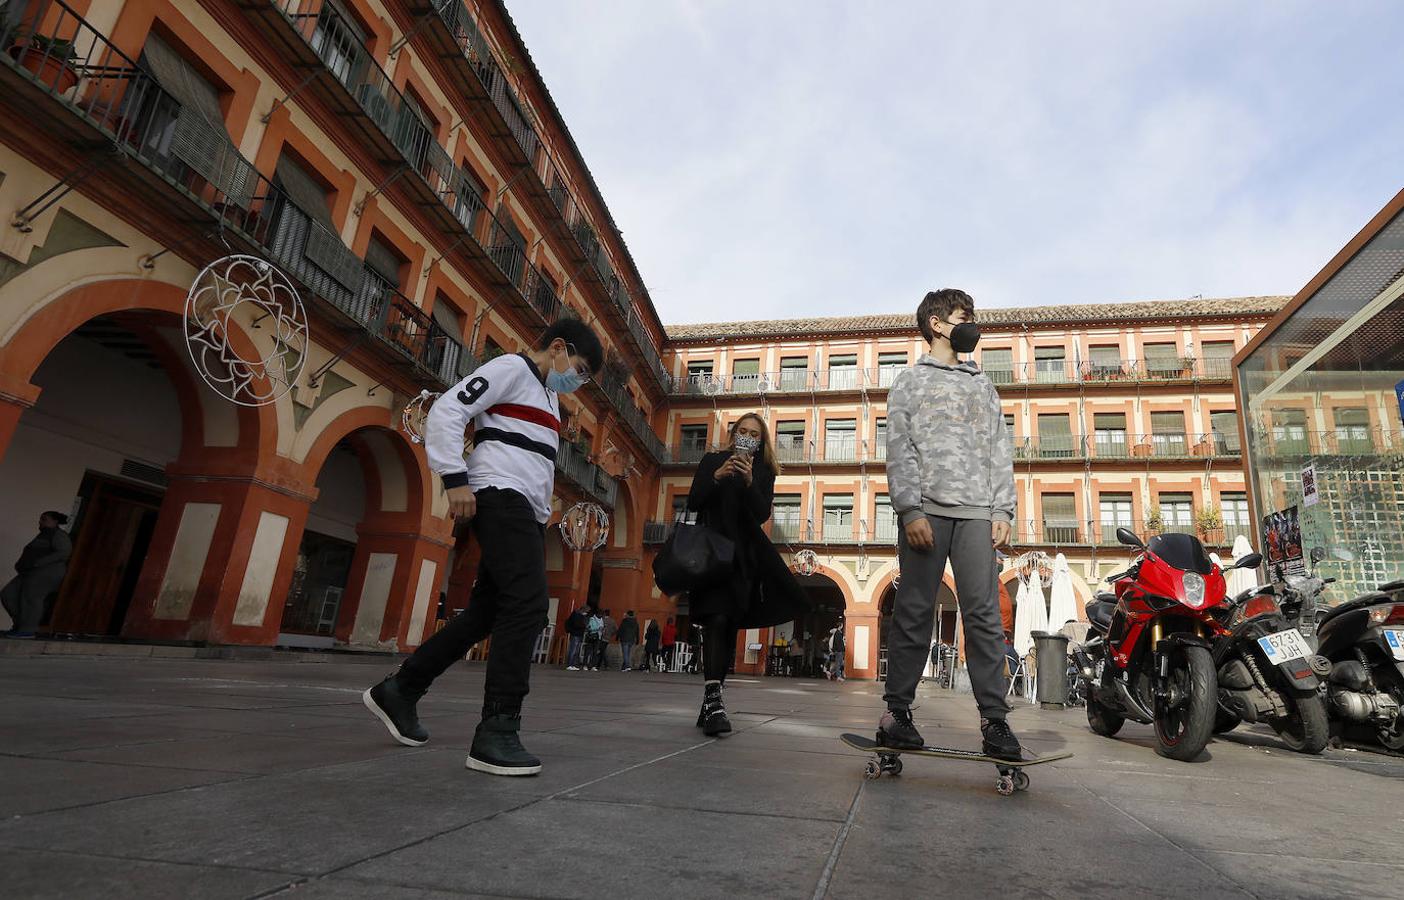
966,542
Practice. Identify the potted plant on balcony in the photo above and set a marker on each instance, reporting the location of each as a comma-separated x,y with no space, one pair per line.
1208,521
1155,521
1187,366
49,58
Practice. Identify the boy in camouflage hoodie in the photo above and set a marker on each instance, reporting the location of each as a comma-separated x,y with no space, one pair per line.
950,474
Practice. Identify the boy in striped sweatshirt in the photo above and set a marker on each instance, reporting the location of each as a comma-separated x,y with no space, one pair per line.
504,487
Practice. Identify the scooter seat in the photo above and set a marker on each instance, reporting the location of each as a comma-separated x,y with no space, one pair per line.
1099,614
1361,602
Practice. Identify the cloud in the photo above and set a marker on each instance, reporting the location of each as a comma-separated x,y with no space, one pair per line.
778,159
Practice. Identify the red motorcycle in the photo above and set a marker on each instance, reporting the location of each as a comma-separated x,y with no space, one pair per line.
1150,658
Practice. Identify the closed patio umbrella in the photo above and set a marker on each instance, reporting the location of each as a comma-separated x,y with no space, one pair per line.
1023,621
1240,580
1039,620
1062,605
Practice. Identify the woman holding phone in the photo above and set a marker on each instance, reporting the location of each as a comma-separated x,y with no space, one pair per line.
732,494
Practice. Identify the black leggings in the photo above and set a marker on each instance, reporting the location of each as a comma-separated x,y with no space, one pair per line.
719,646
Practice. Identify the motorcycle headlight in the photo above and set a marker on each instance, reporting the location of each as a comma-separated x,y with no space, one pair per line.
1194,588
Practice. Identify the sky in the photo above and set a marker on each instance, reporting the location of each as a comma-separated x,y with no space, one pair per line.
792,158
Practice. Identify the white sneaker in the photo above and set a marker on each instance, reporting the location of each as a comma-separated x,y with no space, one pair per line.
572,668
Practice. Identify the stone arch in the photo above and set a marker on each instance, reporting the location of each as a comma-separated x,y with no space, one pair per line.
399,468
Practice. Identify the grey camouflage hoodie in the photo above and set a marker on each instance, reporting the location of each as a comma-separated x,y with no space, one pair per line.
948,451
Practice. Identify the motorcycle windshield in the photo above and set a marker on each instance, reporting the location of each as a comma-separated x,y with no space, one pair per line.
1183,551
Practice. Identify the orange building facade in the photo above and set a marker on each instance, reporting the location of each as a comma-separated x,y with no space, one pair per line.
402,162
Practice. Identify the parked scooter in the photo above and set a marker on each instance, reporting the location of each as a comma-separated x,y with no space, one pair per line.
1363,640
1151,658
1268,672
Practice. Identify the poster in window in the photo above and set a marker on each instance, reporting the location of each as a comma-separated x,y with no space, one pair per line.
1310,497
1399,392
1282,536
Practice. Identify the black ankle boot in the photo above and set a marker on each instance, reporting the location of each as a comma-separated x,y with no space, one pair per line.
496,748
394,706
713,717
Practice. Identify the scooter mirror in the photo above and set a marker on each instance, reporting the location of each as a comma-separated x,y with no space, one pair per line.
1343,554
1251,561
1128,537
1317,554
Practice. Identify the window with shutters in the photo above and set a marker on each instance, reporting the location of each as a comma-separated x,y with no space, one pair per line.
880,439
998,364
890,365
789,441
1060,519
1114,511
446,344
840,439
1236,517
1162,360
1168,433
339,39
1177,513
884,520
468,194
838,518
1051,364
1289,431
785,523
508,248
1109,435
1352,429
794,373
1055,438
745,375
843,372
693,442
1225,427
384,261
1104,361
700,376
1218,358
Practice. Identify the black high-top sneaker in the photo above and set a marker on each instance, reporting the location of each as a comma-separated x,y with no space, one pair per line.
713,717
496,748
896,729
393,705
1000,741
702,715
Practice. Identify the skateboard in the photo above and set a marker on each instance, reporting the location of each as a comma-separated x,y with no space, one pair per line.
889,761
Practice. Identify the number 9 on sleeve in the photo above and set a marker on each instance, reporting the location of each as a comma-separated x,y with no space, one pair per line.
473,391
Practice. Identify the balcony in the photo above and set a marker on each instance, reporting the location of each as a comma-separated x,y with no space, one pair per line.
188,172
1058,532
656,533
832,452
454,37
843,379
1295,442
598,484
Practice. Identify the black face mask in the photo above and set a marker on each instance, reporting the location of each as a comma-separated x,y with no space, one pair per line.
964,337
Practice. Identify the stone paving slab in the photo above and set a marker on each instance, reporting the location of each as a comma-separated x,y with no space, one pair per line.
255,777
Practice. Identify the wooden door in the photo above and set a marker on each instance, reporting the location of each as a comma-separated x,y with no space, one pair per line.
109,544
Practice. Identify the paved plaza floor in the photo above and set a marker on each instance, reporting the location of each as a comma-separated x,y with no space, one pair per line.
151,778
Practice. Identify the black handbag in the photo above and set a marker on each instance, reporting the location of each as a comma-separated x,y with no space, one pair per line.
693,556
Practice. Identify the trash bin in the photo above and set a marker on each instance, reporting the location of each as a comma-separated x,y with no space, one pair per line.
1052,650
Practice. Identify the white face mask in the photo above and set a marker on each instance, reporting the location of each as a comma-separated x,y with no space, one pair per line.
747,445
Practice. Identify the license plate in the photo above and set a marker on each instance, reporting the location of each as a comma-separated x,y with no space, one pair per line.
1284,646
1395,638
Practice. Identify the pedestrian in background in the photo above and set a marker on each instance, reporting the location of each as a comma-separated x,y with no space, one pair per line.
670,643
653,636
608,633
594,634
628,639
40,570
575,630
837,650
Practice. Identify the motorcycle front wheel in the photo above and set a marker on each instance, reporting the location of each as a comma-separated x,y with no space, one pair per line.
1100,719
1184,721
1304,728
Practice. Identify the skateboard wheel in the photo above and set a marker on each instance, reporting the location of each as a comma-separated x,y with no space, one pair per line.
1021,780
872,770
894,766
1005,785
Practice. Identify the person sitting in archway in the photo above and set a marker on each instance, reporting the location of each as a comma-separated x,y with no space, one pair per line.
40,569
950,473
504,487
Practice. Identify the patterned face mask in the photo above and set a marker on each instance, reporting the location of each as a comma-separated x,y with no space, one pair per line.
747,444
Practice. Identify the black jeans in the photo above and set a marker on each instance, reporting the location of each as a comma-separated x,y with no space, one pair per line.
718,647
509,602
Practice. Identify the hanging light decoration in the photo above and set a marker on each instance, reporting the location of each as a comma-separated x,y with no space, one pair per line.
413,415
245,286
584,527
806,562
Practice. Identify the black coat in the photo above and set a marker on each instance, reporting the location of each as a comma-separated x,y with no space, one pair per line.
652,636
762,591
629,630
